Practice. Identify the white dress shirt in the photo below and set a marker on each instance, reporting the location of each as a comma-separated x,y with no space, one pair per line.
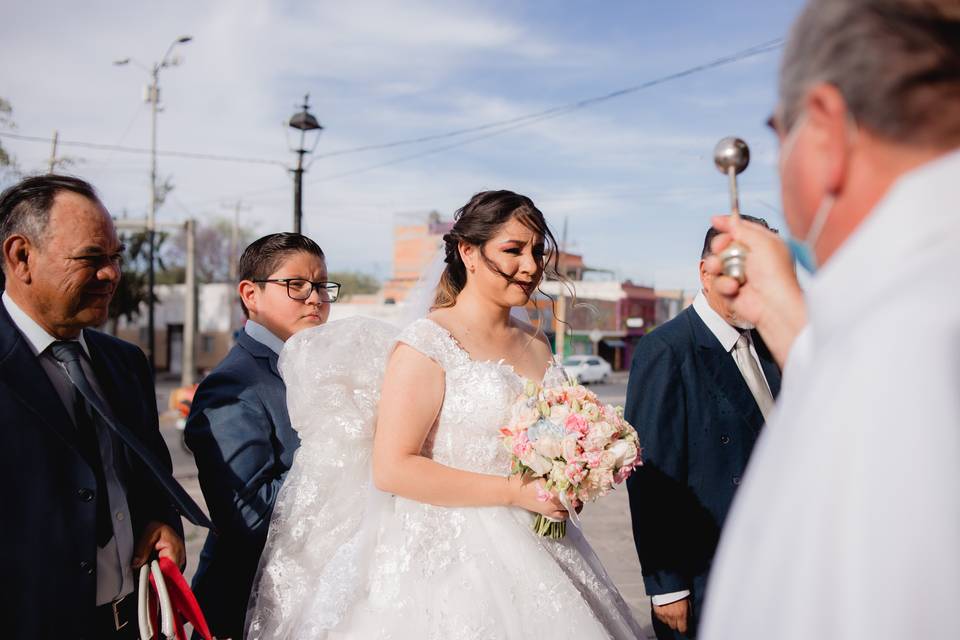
114,570
263,335
847,524
727,335
724,331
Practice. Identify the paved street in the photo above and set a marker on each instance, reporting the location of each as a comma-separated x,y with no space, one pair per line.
606,523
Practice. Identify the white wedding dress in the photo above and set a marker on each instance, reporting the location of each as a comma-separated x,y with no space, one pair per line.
345,561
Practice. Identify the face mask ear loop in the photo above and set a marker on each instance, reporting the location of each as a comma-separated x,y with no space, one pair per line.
819,220
813,234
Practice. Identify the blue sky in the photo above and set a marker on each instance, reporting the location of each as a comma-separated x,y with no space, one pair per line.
633,176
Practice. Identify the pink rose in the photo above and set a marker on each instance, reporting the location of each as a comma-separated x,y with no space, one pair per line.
543,495
575,472
593,458
576,423
521,445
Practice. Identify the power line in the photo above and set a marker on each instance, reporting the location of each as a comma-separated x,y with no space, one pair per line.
491,129
115,147
531,118
503,126
499,126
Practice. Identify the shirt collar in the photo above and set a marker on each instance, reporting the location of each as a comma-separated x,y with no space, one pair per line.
723,330
36,336
264,336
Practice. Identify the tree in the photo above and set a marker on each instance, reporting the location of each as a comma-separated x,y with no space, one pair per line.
213,251
8,164
133,289
354,283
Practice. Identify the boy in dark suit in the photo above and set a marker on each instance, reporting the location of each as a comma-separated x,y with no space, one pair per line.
700,388
239,429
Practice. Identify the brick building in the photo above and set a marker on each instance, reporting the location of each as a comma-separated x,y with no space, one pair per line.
414,247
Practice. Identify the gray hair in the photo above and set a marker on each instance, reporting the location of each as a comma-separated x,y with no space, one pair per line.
25,207
896,63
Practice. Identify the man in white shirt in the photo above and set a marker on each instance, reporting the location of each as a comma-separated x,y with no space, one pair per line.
848,522
700,388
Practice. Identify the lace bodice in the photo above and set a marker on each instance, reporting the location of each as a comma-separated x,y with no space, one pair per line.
477,401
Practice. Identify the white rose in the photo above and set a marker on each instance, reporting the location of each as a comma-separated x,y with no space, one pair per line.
608,460
541,466
606,429
590,411
557,473
548,446
624,452
559,413
569,447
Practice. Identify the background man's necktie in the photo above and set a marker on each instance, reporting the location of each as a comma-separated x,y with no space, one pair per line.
753,375
68,353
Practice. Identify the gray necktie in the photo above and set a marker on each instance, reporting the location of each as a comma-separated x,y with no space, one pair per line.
753,375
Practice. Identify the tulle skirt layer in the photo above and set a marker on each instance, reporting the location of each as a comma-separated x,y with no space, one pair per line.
472,573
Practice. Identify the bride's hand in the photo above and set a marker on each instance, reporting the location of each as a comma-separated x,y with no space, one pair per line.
524,492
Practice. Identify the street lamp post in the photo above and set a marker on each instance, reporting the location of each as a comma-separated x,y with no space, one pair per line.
153,97
303,121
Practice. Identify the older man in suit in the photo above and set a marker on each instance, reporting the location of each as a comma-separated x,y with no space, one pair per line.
89,491
239,429
700,388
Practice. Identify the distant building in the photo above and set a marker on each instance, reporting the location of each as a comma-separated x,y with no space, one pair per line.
616,313
604,315
218,317
414,247
671,302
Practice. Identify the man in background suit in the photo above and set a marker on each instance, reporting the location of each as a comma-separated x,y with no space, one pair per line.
700,388
239,429
89,492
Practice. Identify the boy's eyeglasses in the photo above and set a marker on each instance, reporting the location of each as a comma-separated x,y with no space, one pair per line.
300,289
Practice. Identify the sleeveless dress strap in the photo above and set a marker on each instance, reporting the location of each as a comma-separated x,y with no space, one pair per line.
435,342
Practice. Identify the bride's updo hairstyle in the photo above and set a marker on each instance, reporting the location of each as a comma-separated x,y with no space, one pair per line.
476,223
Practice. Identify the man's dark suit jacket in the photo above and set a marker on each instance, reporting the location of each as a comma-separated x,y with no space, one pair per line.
240,433
697,422
48,534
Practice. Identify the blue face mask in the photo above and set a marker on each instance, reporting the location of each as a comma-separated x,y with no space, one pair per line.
803,255
803,251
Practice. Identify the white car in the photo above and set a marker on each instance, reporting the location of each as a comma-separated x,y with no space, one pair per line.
587,369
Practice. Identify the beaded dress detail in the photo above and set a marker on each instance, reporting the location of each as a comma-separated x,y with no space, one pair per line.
346,561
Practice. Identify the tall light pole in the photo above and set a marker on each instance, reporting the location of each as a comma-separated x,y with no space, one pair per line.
153,97
303,121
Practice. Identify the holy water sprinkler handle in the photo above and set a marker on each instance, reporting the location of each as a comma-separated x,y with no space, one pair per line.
732,155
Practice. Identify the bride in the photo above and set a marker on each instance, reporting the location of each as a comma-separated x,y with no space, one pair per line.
399,518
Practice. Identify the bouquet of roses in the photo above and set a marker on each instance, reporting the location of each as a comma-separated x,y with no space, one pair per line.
578,446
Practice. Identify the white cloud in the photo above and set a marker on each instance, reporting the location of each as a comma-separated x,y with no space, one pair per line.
376,71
